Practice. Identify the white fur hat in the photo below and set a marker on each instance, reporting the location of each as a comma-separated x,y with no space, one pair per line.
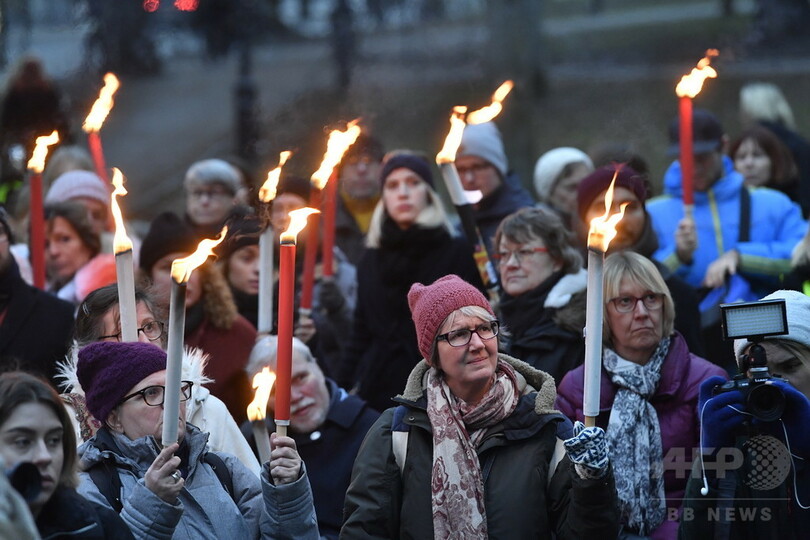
798,319
550,165
484,140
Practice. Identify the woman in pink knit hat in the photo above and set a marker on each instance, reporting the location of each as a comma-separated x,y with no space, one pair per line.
474,448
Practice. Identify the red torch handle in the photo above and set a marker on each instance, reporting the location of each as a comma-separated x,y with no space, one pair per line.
329,211
687,155
94,142
37,231
285,332
310,251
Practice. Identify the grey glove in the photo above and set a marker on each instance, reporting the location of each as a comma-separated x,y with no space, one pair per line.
588,450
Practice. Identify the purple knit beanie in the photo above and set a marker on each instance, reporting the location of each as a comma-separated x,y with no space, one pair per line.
107,370
599,180
431,304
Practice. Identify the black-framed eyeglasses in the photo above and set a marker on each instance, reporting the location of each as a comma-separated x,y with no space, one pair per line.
626,304
462,336
153,330
154,395
503,257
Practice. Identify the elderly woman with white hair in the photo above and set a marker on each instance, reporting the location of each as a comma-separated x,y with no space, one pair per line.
766,492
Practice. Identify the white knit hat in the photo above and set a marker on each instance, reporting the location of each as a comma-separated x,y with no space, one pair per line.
798,319
484,140
73,184
550,165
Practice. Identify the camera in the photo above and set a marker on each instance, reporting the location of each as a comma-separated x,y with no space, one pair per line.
25,479
754,321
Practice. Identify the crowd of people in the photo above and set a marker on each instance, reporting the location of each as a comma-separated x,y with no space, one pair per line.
423,403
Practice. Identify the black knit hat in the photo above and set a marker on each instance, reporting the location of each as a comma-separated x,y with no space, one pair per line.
294,184
243,230
416,163
365,145
168,233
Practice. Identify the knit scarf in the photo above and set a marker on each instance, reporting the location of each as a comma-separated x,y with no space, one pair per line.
634,440
457,486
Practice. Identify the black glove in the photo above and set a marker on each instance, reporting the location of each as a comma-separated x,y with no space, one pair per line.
330,297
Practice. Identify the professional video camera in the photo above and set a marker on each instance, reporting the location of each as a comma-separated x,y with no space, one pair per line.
754,321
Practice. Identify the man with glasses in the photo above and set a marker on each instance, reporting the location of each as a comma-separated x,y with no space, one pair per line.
359,182
213,190
35,327
482,166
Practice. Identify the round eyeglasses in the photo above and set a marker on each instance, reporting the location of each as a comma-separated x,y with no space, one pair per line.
462,336
154,395
153,330
626,304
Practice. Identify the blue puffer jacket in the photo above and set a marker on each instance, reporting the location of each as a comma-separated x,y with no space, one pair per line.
776,227
205,509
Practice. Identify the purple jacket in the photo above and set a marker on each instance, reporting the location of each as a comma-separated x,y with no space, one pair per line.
675,401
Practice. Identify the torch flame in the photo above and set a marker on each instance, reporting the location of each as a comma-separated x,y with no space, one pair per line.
263,383
451,143
268,190
339,142
298,220
101,108
603,228
121,241
691,85
37,161
488,113
182,268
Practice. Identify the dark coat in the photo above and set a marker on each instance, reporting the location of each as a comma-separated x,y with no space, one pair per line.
507,199
515,456
69,516
675,401
383,347
36,327
329,453
534,334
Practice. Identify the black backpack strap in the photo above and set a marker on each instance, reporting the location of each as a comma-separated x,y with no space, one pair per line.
745,215
105,476
221,470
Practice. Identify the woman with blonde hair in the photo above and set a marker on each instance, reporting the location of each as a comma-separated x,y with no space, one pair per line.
648,395
409,240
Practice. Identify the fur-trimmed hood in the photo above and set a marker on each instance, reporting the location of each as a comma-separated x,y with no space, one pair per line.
194,362
529,380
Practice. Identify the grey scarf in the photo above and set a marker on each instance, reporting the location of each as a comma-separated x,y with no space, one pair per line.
634,441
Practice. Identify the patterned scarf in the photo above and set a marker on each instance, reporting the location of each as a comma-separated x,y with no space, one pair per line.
634,440
457,487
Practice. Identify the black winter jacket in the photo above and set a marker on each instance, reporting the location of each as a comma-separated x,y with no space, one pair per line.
69,516
515,456
383,347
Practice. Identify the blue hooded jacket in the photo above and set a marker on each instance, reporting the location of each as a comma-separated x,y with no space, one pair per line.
776,226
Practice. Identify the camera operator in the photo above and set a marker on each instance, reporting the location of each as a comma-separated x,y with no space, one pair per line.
754,478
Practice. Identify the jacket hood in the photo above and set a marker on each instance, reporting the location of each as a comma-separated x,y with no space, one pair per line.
529,380
728,186
194,362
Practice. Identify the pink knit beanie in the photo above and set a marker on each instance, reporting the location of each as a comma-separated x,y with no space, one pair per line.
431,304
107,370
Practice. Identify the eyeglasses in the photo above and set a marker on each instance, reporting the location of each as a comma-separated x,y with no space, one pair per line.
154,395
626,304
475,168
152,330
210,193
520,255
359,160
462,336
